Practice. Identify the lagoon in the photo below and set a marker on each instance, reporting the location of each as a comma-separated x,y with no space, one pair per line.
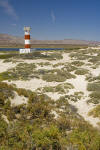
34,49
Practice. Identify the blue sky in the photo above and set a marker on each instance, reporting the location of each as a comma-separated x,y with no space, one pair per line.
52,19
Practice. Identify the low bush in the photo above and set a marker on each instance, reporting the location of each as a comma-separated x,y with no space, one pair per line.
22,71
44,64
79,56
94,59
6,92
60,88
58,64
95,112
94,97
58,76
77,63
95,92
81,71
93,86
6,56
69,67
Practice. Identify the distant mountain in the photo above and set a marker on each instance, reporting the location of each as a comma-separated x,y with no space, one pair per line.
6,39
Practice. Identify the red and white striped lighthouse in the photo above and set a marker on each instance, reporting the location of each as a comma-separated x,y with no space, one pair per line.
27,37
27,48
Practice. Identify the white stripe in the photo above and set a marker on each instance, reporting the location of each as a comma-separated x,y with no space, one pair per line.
27,33
27,41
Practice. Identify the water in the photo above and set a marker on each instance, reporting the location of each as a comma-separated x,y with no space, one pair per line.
9,49
34,49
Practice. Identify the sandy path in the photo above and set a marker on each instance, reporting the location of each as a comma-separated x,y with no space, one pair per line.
33,84
80,84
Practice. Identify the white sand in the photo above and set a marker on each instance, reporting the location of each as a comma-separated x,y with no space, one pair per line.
55,96
33,84
55,114
18,100
6,66
95,72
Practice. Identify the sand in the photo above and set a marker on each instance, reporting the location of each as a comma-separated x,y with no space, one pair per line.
79,83
5,66
32,84
18,100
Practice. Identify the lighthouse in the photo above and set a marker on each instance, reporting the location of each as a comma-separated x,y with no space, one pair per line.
27,48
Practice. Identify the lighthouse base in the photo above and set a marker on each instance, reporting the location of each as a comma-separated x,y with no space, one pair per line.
22,51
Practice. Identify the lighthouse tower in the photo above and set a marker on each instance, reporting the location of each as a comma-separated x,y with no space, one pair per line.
27,48
27,38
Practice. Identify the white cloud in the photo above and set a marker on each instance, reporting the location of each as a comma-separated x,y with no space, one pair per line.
53,17
8,8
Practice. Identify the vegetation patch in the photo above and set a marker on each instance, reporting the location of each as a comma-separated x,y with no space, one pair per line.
40,55
22,71
91,79
58,64
77,96
95,112
58,76
44,64
69,67
5,93
93,86
6,56
81,71
60,88
95,97
33,126
94,59
79,56
78,63
95,92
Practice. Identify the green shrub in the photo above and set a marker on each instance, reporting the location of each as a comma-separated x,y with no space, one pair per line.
58,76
6,56
85,139
55,55
77,63
60,88
22,71
93,86
33,126
58,64
47,138
3,128
70,67
95,112
6,92
94,59
81,71
94,97
95,94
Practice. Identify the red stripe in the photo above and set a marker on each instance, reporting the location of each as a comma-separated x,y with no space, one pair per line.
27,37
27,46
